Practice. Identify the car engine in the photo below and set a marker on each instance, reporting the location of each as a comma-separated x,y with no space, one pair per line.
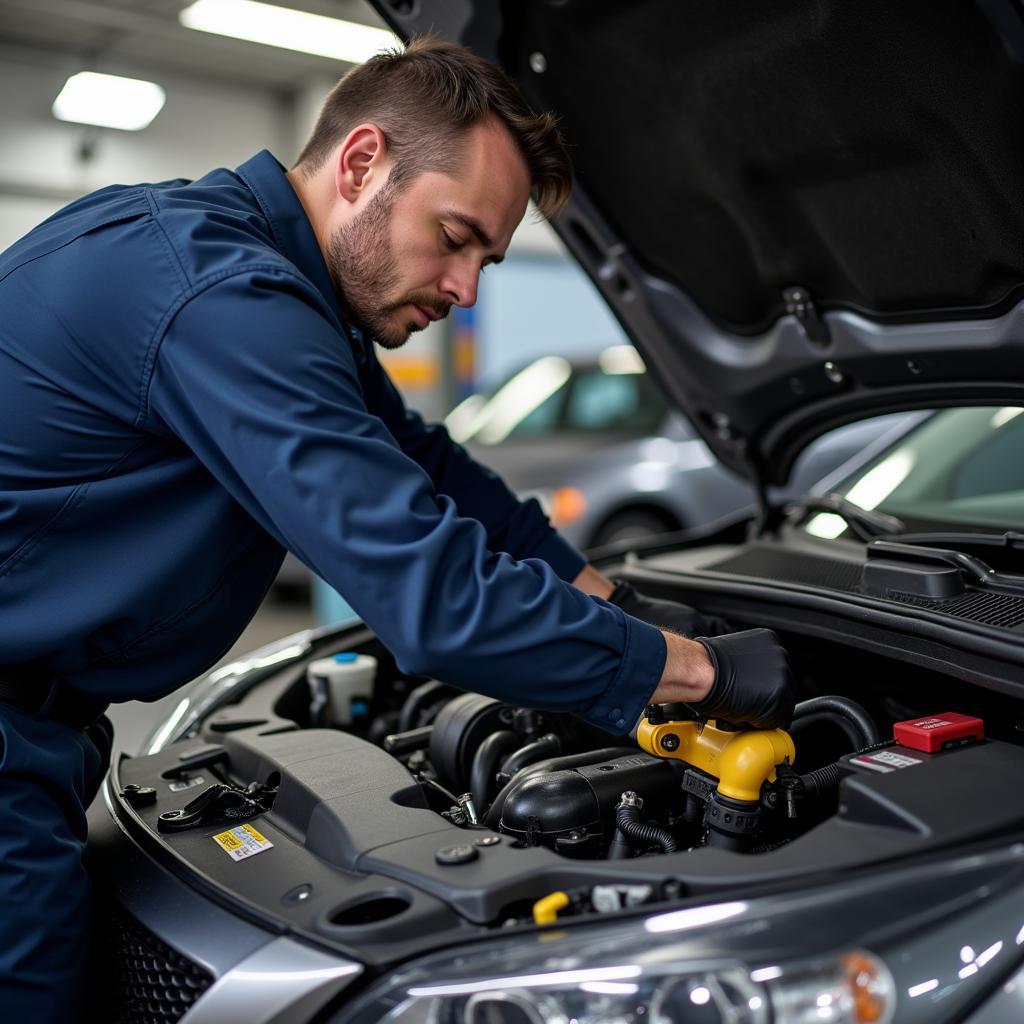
679,783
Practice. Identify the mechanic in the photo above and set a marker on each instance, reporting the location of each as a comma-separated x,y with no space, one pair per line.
188,387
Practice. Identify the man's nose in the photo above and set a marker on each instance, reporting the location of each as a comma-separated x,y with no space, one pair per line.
460,284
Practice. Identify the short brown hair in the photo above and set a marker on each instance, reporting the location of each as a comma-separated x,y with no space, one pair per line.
424,99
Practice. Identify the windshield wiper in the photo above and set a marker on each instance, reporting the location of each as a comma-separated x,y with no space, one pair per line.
863,523
1010,540
919,565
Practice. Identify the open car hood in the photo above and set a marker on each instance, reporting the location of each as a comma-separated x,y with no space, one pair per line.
802,213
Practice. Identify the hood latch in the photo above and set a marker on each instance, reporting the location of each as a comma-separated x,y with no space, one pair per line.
799,304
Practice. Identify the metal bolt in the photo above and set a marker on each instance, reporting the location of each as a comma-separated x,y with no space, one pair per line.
462,854
538,63
670,741
722,424
833,373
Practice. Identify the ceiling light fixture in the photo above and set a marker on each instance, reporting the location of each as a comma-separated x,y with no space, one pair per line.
292,30
109,101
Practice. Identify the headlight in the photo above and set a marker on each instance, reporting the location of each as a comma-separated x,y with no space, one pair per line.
604,975
916,945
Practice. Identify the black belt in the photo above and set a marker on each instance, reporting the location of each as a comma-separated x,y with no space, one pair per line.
33,689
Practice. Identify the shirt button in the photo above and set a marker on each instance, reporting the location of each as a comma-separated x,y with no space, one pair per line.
615,713
621,722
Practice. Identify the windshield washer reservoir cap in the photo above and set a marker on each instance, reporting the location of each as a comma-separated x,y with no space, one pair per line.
939,732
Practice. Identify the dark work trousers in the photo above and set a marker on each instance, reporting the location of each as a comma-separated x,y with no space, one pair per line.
48,775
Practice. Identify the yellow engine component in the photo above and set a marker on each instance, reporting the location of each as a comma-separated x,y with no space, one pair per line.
545,910
741,761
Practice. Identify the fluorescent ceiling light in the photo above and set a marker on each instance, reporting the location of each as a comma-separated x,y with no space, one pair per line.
292,30
109,101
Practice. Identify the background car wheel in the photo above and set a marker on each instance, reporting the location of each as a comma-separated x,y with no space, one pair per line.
634,524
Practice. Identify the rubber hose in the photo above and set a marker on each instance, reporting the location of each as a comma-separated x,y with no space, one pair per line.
849,730
825,781
422,697
551,764
485,765
849,709
548,745
822,781
627,821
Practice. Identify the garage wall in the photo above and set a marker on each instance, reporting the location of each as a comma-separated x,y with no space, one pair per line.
202,125
539,303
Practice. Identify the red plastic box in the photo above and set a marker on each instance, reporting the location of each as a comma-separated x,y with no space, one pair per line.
939,732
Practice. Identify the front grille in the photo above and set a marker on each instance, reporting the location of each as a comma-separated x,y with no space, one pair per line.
142,980
791,567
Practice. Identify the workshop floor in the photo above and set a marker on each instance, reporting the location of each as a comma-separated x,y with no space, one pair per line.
277,617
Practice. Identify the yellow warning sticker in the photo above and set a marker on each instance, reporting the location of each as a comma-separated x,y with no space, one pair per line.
242,841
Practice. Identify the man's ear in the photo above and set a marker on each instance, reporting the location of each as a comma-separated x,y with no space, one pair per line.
362,160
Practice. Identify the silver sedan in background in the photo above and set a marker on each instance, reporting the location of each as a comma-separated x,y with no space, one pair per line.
596,443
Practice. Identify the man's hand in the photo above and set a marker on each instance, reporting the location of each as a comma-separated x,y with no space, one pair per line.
679,618
743,678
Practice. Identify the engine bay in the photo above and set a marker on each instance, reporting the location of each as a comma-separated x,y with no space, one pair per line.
401,812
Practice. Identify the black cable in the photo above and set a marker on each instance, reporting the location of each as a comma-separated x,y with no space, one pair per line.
850,710
822,781
825,781
849,730
627,821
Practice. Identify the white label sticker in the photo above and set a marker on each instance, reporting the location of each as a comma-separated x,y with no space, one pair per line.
885,761
241,842
896,760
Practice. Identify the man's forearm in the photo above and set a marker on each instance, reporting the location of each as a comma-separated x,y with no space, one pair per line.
688,674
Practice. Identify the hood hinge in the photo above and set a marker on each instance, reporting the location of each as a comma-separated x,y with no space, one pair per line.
800,304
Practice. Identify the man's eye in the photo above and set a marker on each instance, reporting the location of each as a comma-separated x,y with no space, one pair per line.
449,242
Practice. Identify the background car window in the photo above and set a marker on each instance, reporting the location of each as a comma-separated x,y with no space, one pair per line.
621,402
544,419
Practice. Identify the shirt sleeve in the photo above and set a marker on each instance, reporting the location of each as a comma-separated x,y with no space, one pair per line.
519,527
255,378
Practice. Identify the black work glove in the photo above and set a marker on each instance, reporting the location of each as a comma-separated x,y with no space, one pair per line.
679,618
753,683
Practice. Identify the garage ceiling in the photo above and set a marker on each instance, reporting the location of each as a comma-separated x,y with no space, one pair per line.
145,35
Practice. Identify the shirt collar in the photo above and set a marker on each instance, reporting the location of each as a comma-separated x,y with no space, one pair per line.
294,235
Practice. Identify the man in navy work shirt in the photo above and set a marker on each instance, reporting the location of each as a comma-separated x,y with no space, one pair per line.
188,387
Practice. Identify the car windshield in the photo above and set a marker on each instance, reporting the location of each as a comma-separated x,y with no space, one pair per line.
961,469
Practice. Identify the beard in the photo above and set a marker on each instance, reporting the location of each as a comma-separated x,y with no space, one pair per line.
364,271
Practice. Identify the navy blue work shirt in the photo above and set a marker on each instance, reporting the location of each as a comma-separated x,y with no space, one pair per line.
181,400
